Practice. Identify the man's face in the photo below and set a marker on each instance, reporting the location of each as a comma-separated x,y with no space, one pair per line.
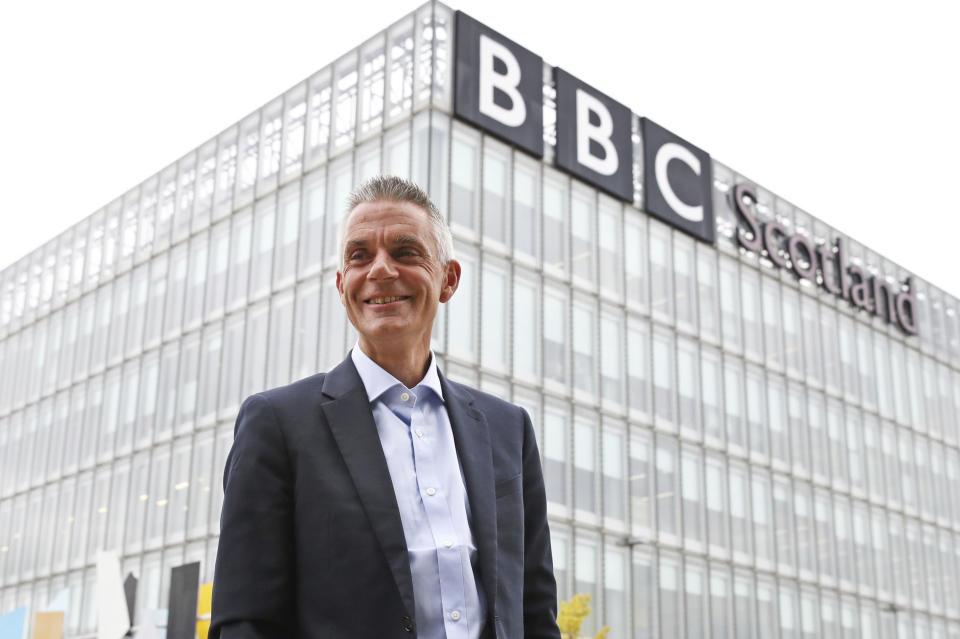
391,281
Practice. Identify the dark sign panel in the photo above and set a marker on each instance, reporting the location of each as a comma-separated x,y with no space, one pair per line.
499,85
593,136
677,180
182,611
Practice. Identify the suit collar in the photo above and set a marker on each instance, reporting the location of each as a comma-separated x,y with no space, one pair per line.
355,432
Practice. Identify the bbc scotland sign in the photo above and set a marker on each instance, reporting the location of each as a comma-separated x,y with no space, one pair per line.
499,88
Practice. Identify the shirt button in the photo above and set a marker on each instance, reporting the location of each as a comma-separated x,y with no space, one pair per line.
419,432
455,615
448,544
405,396
431,491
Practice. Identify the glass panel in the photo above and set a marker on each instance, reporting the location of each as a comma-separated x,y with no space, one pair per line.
555,456
584,466
695,604
708,295
611,352
311,235
280,340
691,476
644,603
730,304
733,404
641,484
803,520
688,400
668,515
720,616
287,236
661,291
663,376
461,313
613,477
615,589
684,283
585,579
638,376
496,189
525,207
306,331
763,538
635,260
582,215
813,361
554,338
716,491
671,621
494,327
750,304
463,181
525,322
554,224
739,509
609,236
264,229
584,362
773,326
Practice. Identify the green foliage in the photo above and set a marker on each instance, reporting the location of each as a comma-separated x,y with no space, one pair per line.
571,617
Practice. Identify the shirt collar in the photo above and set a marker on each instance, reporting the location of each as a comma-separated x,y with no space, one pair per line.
377,381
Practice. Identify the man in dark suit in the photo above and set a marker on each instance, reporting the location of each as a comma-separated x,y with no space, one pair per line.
380,499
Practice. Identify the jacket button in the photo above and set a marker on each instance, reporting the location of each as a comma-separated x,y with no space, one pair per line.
407,623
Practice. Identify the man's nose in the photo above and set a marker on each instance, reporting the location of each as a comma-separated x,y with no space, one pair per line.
382,267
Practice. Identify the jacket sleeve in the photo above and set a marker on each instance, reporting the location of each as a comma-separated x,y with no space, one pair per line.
539,584
253,586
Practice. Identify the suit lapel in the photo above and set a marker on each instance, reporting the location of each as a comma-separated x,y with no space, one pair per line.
471,436
351,422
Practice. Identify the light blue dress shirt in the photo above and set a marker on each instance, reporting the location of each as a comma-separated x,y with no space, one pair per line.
417,441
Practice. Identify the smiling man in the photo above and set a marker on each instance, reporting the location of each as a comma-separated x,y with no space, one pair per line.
380,499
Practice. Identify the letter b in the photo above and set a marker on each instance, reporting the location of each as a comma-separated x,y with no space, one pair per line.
586,131
490,81
498,85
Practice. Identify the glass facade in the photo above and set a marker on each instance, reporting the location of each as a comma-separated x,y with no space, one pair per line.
728,451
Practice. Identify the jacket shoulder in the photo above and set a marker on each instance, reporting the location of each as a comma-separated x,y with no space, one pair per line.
485,401
293,393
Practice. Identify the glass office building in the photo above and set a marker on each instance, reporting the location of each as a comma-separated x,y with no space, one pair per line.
728,450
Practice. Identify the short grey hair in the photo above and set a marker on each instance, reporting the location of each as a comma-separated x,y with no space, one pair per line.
394,189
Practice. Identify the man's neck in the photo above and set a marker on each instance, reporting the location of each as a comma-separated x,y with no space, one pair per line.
408,365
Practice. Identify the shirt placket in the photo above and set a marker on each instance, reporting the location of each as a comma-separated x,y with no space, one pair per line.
433,495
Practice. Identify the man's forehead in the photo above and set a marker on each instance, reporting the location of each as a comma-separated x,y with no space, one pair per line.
372,217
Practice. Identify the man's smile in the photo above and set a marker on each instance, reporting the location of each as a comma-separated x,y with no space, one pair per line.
390,299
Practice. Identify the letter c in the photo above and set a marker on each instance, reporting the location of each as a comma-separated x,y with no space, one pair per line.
674,151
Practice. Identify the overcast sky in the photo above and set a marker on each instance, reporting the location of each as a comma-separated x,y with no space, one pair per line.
847,109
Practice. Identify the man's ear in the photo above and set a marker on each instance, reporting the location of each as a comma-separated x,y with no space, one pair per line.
451,280
340,285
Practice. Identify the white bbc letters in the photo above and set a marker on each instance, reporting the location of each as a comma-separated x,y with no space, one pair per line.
601,133
673,151
491,50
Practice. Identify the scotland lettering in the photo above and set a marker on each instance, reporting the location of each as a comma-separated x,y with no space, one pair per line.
823,264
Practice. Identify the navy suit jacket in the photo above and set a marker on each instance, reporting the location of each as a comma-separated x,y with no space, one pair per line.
311,541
